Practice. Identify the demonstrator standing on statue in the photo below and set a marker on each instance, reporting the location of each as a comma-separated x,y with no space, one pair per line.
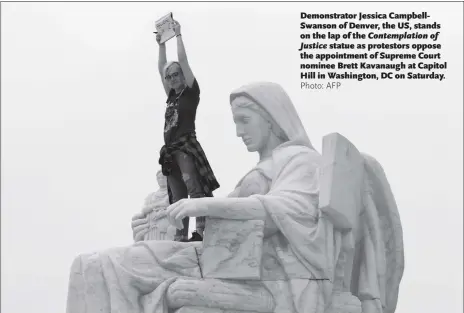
182,158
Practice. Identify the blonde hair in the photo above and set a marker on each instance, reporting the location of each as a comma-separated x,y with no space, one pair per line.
168,65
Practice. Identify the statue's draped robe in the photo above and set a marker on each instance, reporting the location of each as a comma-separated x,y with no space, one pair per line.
297,263
300,245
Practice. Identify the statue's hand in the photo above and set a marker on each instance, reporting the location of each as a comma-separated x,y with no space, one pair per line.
182,292
139,226
186,207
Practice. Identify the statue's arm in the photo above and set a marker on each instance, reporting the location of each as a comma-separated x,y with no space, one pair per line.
258,184
290,197
249,208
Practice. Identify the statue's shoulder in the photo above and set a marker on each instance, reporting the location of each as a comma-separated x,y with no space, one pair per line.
295,153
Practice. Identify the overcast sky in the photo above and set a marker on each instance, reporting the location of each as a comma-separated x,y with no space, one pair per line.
82,119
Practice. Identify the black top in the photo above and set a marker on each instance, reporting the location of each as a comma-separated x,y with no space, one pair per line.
180,112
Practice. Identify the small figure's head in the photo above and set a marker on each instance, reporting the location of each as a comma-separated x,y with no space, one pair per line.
162,181
174,76
254,125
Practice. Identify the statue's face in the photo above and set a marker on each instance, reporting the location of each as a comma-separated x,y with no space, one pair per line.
174,77
250,126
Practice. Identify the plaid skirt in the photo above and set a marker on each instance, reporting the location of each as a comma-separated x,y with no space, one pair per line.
189,145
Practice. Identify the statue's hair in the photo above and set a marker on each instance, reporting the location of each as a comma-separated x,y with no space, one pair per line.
250,104
273,99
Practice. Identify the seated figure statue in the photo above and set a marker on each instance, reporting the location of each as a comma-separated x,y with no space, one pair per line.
322,249
151,224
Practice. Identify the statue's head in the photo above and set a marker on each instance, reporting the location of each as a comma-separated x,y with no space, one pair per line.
173,75
162,182
265,117
255,126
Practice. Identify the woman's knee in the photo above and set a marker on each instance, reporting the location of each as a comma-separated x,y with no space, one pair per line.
194,187
190,175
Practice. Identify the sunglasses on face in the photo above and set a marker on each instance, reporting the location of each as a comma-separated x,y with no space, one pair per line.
169,77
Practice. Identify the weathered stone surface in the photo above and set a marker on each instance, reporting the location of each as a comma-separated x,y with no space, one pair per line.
152,222
345,302
232,249
192,309
341,181
218,295
159,227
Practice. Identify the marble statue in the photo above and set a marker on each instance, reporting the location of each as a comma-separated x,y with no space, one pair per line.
301,232
151,223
